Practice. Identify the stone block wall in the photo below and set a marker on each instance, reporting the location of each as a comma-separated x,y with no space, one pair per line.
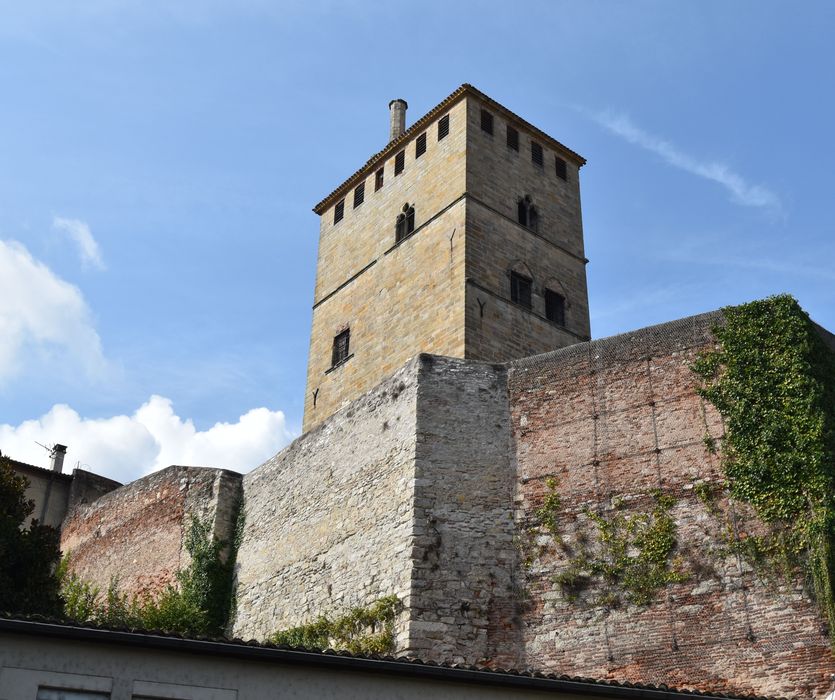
329,520
464,556
610,421
412,292
136,533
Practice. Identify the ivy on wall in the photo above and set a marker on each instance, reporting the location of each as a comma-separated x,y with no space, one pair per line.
772,377
199,606
368,630
625,557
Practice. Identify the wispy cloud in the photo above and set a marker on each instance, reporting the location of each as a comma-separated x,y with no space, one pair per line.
43,315
81,235
741,191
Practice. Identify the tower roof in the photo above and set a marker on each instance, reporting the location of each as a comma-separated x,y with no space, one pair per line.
428,118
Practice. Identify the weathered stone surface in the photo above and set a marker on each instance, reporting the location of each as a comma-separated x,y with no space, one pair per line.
135,534
329,520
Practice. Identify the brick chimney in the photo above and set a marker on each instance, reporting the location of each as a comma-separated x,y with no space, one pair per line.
57,455
397,108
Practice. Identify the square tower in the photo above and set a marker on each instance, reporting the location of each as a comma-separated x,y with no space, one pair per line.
463,237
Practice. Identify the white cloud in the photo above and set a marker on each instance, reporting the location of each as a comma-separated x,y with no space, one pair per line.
42,315
82,236
126,447
741,191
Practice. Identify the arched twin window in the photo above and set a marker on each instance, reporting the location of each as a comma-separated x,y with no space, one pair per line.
526,213
405,223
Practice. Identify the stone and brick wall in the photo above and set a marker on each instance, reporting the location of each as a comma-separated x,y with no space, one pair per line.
136,533
610,421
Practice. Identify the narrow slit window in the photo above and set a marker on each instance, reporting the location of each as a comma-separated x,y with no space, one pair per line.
512,138
555,307
399,162
339,211
420,145
359,194
520,290
378,180
562,171
486,121
341,347
536,153
443,127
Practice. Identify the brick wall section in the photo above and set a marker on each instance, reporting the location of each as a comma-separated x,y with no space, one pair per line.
136,533
464,553
620,417
329,519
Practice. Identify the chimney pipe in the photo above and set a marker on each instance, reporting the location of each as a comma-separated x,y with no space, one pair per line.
57,454
397,108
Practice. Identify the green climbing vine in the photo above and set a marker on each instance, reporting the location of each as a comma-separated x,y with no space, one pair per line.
368,630
624,557
199,605
630,558
772,377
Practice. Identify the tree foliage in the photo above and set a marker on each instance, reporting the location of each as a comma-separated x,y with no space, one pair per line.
28,555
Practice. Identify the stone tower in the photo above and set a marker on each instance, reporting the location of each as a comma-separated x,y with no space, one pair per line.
463,237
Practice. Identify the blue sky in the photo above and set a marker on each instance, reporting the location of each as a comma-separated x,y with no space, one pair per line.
159,162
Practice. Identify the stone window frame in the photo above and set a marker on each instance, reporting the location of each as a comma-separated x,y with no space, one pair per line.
443,127
537,154
400,162
339,211
521,289
405,224
512,138
527,214
555,305
420,145
341,350
561,168
359,194
379,176
486,121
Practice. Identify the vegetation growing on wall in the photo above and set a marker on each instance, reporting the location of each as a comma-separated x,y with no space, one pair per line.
28,555
772,378
628,558
199,606
368,630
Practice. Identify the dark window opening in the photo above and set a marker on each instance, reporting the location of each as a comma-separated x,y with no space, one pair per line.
359,194
443,127
378,180
555,307
486,121
512,138
341,347
562,172
536,153
399,162
520,290
339,211
526,213
405,223
420,145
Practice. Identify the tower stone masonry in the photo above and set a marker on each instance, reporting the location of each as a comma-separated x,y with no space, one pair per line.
462,237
